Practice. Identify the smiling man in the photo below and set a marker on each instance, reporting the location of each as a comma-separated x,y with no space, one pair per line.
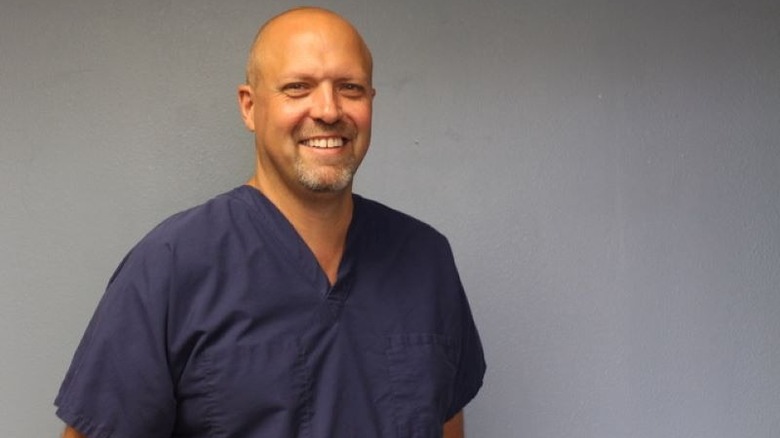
289,306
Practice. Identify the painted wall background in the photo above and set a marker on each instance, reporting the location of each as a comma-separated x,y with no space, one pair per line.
608,174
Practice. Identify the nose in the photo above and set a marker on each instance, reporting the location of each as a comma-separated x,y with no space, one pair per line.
325,104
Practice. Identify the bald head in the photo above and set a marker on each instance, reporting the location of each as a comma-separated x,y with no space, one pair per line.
308,101
273,36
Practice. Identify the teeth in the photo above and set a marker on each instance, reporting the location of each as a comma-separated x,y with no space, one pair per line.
324,143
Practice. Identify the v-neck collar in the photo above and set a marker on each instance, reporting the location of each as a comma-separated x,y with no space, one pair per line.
275,224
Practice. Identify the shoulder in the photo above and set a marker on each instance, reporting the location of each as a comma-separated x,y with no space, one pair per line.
395,224
196,234
402,241
203,220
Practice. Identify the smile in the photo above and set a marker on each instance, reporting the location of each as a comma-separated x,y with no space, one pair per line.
324,143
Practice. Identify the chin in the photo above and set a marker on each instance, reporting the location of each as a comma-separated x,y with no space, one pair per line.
327,186
326,180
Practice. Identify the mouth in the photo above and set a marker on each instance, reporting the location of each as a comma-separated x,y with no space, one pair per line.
325,142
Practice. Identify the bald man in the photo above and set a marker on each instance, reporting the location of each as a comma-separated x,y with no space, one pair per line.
289,306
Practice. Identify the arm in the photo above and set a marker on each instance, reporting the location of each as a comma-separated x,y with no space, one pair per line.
452,428
71,433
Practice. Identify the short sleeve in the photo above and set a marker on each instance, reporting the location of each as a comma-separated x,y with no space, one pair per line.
471,360
119,384
471,364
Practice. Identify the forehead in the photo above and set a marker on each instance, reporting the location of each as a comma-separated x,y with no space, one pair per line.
313,45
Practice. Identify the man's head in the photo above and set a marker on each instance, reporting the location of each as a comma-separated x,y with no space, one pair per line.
308,99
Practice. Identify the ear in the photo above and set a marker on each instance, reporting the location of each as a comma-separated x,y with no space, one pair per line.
246,104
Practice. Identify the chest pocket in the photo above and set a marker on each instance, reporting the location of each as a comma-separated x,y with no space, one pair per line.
422,372
258,390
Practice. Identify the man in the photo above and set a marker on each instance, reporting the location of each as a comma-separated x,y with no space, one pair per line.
288,307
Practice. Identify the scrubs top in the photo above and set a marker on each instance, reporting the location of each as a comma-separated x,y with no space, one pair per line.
220,323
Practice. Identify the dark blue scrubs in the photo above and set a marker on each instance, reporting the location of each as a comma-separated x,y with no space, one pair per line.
220,323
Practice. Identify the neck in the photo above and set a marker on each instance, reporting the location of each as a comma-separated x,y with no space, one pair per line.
321,219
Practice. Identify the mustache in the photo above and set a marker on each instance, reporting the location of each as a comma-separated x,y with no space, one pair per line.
319,128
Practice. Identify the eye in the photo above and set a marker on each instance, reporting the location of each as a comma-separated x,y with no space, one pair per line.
351,89
296,89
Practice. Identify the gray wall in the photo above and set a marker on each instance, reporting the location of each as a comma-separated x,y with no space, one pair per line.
608,174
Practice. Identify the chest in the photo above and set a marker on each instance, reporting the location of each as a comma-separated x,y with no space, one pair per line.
280,355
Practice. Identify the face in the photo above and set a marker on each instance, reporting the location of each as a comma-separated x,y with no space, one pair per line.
309,105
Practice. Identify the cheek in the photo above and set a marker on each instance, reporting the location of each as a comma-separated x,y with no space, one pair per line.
292,114
285,117
361,115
